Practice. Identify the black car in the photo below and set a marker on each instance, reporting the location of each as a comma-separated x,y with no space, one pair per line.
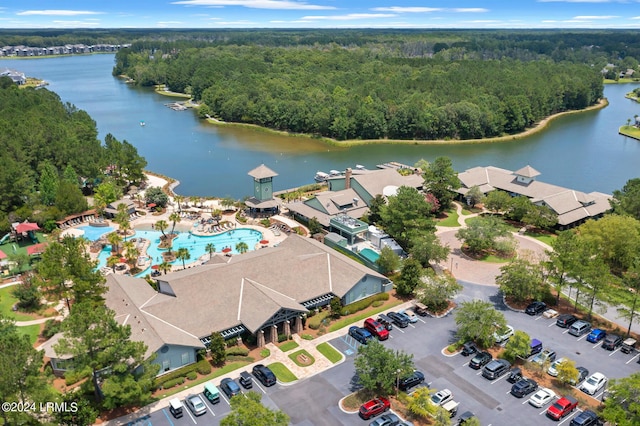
465,417
611,342
413,380
400,320
265,375
535,308
565,320
515,375
523,387
245,380
230,387
480,360
586,418
582,374
469,348
496,368
362,335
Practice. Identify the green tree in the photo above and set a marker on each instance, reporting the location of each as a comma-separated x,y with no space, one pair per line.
541,217
210,248
560,260
522,279
419,403
162,226
174,218
217,349
482,233
518,346
28,294
376,205
407,214
497,201
155,195
108,191
246,410
615,238
441,180
98,343
242,247
227,202
388,261
628,306
410,277
336,307
478,320
69,198
435,290
164,267
567,371
183,254
474,196
621,407
379,367
69,175
115,240
85,414
48,184
626,201
122,219
426,248
519,207
314,226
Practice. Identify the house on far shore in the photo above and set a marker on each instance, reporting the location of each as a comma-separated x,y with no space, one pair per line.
18,77
572,207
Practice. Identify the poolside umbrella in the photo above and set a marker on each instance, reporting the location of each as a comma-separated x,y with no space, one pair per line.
264,241
226,249
26,227
123,260
154,267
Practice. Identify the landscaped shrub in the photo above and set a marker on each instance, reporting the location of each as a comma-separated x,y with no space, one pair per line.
377,303
231,342
51,327
171,383
307,337
203,367
192,375
282,338
238,350
265,353
363,303
240,218
249,339
316,321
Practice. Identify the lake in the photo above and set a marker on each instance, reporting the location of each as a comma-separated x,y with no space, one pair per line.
580,151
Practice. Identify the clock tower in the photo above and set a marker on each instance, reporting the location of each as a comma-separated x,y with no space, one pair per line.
262,182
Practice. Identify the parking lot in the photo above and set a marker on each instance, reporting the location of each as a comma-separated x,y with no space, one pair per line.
314,401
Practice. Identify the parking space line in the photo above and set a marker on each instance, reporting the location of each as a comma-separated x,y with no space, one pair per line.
225,398
423,321
167,416
255,382
566,331
614,352
411,325
598,396
211,409
465,364
479,373
400,330
597,344
550,325
508,392
582,337
570,416
188,412
498,379
632,359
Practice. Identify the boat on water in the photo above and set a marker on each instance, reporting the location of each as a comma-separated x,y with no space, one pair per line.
321,176
142,123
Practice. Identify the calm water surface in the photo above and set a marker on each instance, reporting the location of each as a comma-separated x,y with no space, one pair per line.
581,151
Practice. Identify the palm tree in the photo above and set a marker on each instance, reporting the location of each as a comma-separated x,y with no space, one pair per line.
242,247
164,267
179,199
174,218
115,240
161,225
131,252
112,261
184,255
211,248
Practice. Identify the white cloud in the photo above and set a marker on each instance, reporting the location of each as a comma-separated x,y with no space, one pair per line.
636,17
241,22
596,17
75,24
468,10
53,12
575,1
170,23
256,4
401,9
349,17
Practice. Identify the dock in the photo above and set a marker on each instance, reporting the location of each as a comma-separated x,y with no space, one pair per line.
394,165
176,106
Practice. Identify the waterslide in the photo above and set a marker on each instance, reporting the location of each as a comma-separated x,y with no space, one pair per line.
5,238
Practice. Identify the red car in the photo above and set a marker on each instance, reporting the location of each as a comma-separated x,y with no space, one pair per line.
374,407
562,407
376,329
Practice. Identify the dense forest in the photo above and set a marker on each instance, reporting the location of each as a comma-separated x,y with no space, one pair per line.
50,154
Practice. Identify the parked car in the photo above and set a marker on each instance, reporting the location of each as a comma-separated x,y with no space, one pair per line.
550,313
413,380
211,393
523,388
480,360
562,407
611,342
398,319
465,417
515,375
503,334
442,396
386,321
542,397
420,309
264,374
535,347
245,380
586,418
535,308
546,354
195,404
469,348
582,374
410,314
230,387
594,383
495,368
374,407
553,368
386,420
176,408
596,335
376,328
360,334
579,328
565,320
451,407
628,345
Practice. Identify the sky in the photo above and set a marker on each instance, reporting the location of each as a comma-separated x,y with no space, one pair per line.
320,14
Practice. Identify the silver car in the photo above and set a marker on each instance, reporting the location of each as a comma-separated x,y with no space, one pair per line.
195,404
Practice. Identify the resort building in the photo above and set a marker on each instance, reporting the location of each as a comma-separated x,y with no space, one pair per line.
263,203
16,76
264,293
572,207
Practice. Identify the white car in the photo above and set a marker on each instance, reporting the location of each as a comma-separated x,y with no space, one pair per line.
542,397
412,317
441,397
553,368
594,383
504,334
550,313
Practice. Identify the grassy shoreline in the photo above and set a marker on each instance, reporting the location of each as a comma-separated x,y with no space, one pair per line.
630,131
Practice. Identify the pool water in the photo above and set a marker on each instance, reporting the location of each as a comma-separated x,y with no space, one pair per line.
93,233
196,244
369,254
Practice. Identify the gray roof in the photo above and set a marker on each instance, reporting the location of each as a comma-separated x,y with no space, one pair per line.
264,204
249,289
374,181
527,171
570,205
262,172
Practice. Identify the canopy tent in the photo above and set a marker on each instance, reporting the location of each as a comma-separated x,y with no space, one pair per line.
36,249
26,227
3,255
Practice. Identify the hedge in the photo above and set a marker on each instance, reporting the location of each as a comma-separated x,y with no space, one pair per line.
171,383
363,303
237,350
192,375
202,367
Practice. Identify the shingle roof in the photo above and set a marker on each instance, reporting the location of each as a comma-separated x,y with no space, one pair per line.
262,172
527,171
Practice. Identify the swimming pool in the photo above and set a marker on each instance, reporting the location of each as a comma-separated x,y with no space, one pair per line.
369,254
194,243
93,233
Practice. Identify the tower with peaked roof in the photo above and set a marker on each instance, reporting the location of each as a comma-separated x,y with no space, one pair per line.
262,203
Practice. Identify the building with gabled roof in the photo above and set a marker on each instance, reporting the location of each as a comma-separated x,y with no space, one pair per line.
264,292
572,207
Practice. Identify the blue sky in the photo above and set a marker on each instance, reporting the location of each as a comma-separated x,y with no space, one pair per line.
320,14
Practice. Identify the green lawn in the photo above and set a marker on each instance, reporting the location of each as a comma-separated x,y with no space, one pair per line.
630,131
548,239
329,352
282,373
6,303
287,346
495,259
33,331
451,220
294,357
